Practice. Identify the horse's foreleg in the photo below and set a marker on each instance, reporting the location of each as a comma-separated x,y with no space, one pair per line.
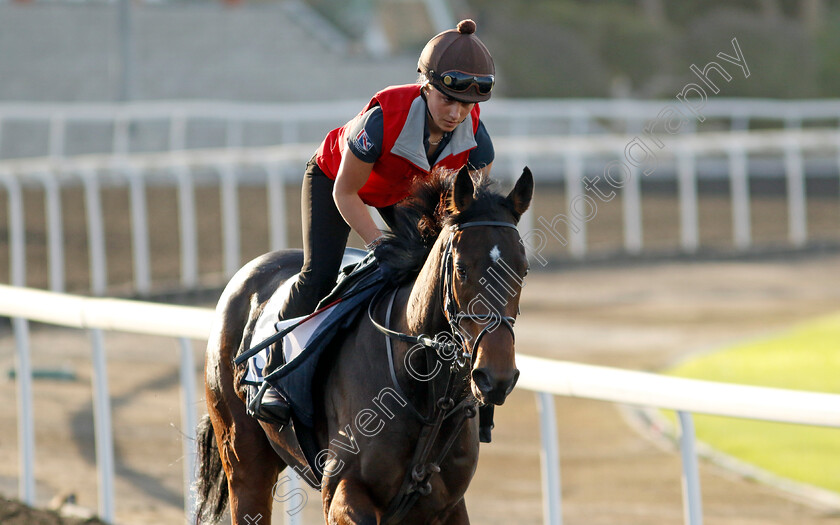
351,505
458,515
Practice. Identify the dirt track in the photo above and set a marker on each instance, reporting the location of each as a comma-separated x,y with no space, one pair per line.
621,314
641,317
647,317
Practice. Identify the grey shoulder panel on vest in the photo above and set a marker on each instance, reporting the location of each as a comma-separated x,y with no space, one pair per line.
409,144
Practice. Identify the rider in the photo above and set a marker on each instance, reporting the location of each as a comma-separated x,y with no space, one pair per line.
402,134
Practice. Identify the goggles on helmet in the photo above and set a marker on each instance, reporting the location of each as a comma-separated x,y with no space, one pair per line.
459,81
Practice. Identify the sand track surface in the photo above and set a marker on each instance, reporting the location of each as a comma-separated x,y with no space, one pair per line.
633,316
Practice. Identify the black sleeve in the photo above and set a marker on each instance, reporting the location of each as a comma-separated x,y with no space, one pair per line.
484,153
364,138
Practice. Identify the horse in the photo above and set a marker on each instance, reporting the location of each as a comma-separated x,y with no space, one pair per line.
396,427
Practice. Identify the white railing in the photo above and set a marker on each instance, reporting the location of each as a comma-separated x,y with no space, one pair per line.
185,323
545,377
571,159
175,125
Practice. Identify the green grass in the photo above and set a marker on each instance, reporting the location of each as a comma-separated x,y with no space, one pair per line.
806,357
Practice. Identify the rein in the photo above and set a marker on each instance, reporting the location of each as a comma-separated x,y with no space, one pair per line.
417,482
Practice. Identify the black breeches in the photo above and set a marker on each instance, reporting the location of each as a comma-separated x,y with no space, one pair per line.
324,239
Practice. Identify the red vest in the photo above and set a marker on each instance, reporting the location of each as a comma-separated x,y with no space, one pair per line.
393,173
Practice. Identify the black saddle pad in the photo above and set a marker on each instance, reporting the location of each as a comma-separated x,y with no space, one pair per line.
295,379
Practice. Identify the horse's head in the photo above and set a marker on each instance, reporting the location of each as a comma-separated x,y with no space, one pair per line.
483,270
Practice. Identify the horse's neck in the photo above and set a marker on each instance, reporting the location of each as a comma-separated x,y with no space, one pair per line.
424,309
423,314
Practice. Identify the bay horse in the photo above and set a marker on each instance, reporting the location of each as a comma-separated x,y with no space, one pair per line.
395,424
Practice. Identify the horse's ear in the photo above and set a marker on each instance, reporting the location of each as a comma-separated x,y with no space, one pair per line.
521,194
462,191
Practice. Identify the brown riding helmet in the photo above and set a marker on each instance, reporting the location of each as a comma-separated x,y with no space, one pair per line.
458,64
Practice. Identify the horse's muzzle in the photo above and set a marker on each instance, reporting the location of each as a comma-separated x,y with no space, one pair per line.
490,388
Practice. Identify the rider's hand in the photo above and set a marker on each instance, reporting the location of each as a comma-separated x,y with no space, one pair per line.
381,253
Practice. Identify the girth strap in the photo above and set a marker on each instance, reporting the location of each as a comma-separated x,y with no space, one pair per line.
390,351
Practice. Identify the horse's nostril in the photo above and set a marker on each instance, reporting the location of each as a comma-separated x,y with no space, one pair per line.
513,381
482,380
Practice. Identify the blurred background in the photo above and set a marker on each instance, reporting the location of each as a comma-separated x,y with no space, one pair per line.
262,50
149,148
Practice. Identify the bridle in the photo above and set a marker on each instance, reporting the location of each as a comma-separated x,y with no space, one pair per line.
416,482
449,306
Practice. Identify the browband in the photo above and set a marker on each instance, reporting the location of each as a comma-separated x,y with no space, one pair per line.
456,227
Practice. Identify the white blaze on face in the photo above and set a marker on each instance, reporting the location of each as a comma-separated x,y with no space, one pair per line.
495,254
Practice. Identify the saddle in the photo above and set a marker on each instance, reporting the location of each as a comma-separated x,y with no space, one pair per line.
308,335
304,342
294,379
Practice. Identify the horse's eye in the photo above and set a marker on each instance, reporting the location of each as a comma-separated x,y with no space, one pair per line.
461,270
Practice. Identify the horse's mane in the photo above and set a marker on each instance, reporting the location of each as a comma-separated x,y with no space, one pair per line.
419,219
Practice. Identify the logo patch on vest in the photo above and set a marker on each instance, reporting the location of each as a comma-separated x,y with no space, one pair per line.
363,141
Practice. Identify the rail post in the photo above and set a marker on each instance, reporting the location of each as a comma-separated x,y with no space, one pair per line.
23,368
687,187
631,201
520,128
692,501
26,425
549,460
796,194
55,233
96,233
739,185
187,226
575,195
139,231
230,218
102,427
189,420
276,206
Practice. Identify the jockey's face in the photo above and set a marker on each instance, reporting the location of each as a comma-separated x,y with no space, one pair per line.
446,113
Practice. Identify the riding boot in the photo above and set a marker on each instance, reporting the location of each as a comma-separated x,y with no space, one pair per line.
269,405
485,422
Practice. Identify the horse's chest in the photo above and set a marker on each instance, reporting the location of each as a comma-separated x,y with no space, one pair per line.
383,464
